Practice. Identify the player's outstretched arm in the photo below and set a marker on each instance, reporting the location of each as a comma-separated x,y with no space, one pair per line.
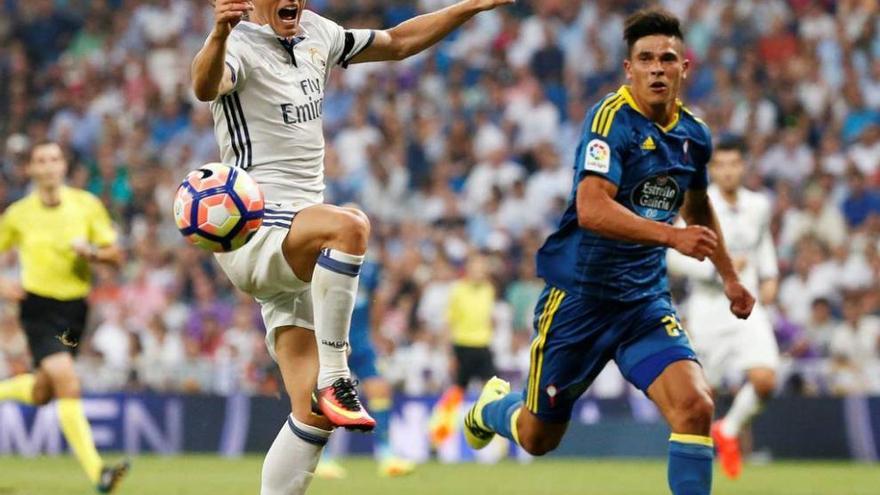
597,211
416,34
210,75
697,210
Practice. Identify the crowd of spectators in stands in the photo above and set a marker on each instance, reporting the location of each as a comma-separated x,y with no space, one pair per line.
468,147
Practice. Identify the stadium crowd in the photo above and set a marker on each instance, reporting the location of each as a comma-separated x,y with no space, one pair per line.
465,149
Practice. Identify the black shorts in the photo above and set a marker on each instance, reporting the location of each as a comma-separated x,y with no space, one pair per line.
473,362
52,326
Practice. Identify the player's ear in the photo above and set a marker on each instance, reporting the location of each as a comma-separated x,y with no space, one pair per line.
627,68
685,66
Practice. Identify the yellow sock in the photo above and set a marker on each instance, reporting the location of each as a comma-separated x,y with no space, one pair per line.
18,388
79,436
513,430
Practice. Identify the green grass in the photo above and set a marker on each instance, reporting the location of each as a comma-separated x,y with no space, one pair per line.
196,475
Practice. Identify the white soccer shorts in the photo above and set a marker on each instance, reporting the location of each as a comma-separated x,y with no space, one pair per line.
728,347
259,269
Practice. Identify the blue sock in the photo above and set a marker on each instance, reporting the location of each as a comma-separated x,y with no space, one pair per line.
499,416
380,409
690,464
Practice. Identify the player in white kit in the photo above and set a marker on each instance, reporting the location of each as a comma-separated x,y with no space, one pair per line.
265,79
726,345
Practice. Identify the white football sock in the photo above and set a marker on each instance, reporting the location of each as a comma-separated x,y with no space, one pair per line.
290,462
745,406
334,289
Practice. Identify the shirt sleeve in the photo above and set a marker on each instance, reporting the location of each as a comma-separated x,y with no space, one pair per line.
452,306
236,60
768,268
8,233
701,157
603,147
345,44
101,231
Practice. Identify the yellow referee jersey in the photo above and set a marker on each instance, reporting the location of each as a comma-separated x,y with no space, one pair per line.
44,236
470,313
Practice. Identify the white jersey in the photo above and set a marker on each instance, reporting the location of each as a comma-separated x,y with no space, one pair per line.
727,345
746,229
271,122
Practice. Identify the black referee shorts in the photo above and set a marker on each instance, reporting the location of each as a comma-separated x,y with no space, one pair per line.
473,362
52,326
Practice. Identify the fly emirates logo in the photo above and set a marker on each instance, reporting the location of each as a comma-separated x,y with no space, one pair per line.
312,109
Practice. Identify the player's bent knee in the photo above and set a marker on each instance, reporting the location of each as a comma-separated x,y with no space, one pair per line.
538,444
42,395
693,413
42,392
765,385
352,231
67,388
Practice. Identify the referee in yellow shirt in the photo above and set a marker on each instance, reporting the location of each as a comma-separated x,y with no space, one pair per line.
471,328
58,231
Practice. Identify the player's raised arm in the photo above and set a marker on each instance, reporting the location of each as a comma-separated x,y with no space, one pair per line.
599,212
211,75
416,34
697,210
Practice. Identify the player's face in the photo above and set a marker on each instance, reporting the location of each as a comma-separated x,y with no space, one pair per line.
47,166
727,169
655,69
477,268
282,15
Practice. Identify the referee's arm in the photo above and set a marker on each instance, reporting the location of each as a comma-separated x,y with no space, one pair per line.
101,246
10,289
109,255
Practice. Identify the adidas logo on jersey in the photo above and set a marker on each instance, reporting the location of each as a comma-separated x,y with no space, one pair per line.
649,145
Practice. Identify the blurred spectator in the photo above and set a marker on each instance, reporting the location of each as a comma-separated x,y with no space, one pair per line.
819,217
861,202
855,347
819,329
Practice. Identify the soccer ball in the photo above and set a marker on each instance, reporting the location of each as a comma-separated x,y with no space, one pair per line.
218,207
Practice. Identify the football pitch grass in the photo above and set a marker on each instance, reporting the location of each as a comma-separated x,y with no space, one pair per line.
198,475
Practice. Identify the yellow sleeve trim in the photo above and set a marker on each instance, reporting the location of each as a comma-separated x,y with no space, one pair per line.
606,127
694,116
513,431
691,439
601,114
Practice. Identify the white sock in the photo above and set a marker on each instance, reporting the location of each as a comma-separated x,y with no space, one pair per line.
745,406
334,289
290,462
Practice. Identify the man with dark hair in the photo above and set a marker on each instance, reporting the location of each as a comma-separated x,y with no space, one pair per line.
59,231
641,160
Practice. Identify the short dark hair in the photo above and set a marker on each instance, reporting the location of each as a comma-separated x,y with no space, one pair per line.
647,22
730,142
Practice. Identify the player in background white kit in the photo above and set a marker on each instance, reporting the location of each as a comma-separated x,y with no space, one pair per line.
724,344
265,78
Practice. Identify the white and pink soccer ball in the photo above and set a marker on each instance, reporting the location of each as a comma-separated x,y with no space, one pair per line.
218,207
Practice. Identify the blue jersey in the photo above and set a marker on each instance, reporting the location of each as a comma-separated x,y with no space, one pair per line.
652,168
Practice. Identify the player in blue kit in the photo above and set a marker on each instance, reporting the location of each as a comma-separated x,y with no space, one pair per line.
362,363
641,161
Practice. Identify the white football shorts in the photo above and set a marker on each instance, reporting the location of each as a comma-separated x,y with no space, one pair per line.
728,347
259,269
